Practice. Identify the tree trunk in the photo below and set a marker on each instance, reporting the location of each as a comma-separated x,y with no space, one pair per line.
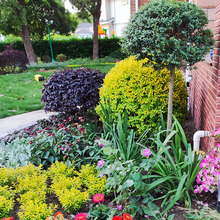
170,101
96,17
28,44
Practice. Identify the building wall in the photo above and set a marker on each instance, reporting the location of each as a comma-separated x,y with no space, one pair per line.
205,86
140,3
117,9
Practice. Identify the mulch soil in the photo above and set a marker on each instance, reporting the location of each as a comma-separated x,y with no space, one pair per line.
179,209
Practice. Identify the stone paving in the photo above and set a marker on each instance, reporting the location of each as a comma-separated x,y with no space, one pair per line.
18,122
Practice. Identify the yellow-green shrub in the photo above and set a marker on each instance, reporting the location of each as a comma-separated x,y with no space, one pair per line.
6,206
60,168
61,58
35,211
73,199
7,176
85,171
33,183
63,182
74,191
95,184
143,91
7,192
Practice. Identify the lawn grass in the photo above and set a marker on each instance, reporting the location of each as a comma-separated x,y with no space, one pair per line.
20,93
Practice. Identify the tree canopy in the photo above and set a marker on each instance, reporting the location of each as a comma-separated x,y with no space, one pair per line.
34,14
41,11
171,33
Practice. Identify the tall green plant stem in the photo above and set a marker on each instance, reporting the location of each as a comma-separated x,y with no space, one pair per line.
170,101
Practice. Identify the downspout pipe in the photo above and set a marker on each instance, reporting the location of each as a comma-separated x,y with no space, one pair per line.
136,6
196,138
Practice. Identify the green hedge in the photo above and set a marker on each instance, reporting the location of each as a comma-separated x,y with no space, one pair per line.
73,48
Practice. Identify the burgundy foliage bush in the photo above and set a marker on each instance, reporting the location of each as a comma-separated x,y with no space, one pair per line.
72,91
12,61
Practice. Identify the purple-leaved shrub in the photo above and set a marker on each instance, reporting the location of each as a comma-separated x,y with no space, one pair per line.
72,90
12,61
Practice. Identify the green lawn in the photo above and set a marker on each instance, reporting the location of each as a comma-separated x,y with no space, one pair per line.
20,93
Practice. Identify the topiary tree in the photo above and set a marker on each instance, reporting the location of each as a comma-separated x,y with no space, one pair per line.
172,34
72,91
136,86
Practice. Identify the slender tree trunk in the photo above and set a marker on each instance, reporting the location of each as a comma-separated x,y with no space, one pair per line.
170,101
27,40
28,44
96,17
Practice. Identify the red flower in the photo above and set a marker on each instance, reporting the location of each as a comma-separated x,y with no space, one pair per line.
117,218
81,216
126,216
59,215
31,142
98,198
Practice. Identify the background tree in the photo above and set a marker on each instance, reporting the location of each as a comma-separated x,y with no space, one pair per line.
28,17
92,7
41,11
170,33
13,21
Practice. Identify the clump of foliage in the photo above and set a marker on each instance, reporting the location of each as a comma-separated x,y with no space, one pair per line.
12,61
61,58
72,91
171,33
46,59
143,91
68,185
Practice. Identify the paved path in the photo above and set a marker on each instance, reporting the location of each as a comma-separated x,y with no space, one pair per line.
17,122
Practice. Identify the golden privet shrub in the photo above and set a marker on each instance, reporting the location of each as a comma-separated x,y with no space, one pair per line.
135,85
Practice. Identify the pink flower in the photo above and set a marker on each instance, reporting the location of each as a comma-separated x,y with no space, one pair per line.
81,216
68,149
63,148
147,152
70,118
31,142
66,156
53,118
98,198
119,207
147,216
101,163
65,120
59,146
100,144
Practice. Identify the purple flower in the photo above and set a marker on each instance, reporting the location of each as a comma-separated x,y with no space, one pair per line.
119,207
101,163
147,152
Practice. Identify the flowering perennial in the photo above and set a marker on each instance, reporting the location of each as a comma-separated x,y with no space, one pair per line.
81,216
207,178
98,198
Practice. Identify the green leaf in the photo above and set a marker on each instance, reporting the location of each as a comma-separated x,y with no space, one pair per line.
107,151
68,163
51,159
137,185
128,183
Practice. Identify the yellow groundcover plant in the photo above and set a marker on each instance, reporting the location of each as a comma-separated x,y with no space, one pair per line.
143,90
